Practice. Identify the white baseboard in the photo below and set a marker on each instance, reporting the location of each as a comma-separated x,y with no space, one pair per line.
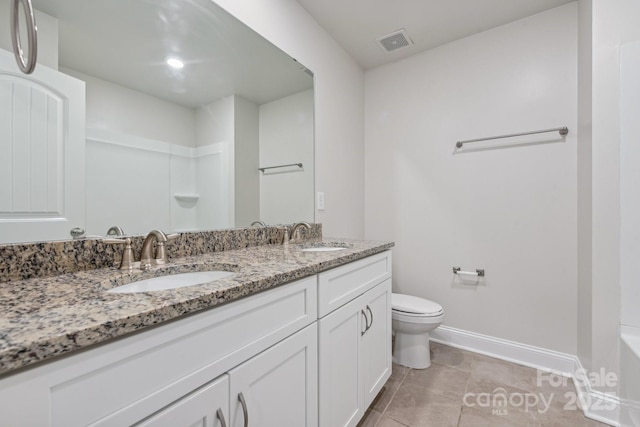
522,354
595,405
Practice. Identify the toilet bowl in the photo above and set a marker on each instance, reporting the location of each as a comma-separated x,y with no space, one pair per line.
412,320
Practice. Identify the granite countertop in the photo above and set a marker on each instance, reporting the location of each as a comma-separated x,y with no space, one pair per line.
43,318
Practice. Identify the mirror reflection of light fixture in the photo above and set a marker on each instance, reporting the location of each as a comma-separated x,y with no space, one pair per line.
175,63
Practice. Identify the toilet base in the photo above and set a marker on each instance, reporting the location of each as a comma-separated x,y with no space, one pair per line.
412,350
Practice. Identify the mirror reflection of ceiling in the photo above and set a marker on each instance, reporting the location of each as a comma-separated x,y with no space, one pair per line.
96,37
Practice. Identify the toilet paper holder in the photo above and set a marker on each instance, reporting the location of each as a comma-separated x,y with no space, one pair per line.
479,272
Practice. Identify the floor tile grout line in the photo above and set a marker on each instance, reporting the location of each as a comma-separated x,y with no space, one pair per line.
391,418
466,389
392,396
459,416
449,366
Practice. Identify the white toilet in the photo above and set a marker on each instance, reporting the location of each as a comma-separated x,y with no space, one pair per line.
412,320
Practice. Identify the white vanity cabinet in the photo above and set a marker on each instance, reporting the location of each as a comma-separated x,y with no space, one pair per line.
354,338
277,387
266,360
160,371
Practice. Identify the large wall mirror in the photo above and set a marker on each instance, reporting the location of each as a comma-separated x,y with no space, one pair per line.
151,114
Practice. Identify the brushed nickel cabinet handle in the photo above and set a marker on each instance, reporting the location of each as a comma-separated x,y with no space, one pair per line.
245,412
220,416
371,313
26,66
366,323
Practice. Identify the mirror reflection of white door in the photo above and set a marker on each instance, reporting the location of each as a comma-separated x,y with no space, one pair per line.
42,153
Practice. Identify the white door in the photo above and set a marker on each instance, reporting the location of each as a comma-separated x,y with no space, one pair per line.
278,387
375,350
205,407
340,385
42,153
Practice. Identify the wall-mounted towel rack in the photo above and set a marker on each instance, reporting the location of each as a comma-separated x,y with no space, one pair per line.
563,132
479,272
280,166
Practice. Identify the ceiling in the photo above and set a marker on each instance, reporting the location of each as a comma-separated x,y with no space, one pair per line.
356,24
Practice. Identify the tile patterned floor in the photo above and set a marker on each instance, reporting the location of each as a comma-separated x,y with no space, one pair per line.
467,389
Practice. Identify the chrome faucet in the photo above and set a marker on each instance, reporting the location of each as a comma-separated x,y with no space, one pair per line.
145,253
295,228
147,246
258,224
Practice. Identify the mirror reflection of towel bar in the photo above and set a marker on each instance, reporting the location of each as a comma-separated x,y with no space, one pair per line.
281,166
479,272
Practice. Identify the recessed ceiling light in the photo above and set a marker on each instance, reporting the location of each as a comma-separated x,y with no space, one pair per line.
175,63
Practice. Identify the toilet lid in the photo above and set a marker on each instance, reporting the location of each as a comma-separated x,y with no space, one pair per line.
414,305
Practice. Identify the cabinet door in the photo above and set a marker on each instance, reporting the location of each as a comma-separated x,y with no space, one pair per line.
205,407
279,386
340,386
375,346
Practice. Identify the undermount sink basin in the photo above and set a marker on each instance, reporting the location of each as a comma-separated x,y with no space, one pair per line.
323,249
173,281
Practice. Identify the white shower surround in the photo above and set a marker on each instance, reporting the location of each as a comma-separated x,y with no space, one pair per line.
629,234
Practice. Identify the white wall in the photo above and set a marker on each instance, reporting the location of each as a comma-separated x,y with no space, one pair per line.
286,137
505,206
247,159
585,187
119,109
338,98
214,166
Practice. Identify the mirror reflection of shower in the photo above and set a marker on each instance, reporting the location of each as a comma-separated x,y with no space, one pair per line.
183,104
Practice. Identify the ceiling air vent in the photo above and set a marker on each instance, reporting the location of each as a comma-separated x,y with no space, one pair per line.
394,41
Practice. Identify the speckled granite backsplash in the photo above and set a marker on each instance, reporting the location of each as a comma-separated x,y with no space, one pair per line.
45,259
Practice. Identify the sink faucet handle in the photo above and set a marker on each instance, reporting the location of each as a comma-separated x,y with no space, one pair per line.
161,250
115,231
127,261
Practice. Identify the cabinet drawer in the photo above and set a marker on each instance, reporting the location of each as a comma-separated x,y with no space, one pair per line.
199,408
340,285
125,381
